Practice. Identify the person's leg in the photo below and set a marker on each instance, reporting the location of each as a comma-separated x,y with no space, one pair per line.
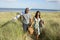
37,36
38,33
25,31
25,27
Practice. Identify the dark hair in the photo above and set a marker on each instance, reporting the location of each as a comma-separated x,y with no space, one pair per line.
37,14
26,9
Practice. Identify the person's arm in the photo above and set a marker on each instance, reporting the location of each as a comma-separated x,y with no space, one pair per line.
32,21
16,17
42,22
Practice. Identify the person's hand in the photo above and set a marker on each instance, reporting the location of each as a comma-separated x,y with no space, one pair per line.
41,21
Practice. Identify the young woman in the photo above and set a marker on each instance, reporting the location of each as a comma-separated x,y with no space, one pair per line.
37,21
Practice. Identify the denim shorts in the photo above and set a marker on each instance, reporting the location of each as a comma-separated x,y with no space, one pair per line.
25,27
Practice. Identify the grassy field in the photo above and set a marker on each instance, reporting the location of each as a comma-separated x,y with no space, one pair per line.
13,30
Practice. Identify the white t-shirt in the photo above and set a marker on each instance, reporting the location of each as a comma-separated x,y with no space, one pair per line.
26,18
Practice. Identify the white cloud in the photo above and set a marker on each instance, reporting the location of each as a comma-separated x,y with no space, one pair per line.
53,0
9,0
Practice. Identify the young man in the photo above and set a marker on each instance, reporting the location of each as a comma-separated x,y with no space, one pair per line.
26,20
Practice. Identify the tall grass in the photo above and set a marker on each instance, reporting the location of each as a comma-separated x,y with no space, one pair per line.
13,30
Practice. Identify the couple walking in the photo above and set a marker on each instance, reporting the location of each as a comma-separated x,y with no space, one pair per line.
35,22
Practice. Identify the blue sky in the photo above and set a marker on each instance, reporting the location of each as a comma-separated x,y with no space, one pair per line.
41,4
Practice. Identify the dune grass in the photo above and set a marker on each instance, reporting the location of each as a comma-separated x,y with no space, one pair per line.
13,30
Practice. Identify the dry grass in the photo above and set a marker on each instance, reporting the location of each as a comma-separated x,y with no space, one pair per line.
13,30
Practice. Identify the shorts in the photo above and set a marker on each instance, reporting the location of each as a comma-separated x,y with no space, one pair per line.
25,27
